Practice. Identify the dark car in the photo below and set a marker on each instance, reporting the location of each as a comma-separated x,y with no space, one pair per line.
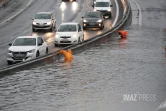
93,20
69,0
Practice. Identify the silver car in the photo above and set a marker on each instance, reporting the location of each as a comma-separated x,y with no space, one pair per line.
44,20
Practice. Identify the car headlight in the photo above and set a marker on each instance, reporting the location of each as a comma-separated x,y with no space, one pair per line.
9,51
34,23
75,35
85,20
94,9
99,21
32,51
109,10
48,23
56,36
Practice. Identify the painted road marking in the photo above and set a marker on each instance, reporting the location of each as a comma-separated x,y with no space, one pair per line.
17,13
140,12
29,3
117,14
12,16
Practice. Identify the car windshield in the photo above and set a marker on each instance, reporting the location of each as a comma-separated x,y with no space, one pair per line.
92,15
25,42
43,16
102,4
67,28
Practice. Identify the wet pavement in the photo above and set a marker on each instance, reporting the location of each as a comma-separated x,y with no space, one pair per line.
99,78
21,25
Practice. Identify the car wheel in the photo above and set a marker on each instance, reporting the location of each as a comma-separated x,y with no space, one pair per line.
79,39
37,54
83,38
9,62
47,50
56,45
33,30
54,28
101,28
51,29
110,16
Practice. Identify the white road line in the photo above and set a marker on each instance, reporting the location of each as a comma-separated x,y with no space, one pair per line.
16,13
117,13
140,12
29,3
13,16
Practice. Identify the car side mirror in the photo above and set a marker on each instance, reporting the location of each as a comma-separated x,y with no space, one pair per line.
10,44
92,5
111,5
32,18
39,44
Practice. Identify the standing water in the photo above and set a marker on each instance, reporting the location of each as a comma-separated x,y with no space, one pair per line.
97,80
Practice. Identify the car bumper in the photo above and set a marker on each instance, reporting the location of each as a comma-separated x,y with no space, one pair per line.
66,41
92,25
107,13
46,27
29,56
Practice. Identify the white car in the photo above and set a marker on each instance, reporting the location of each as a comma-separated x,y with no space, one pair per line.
69,33
103,6
44,21
26,48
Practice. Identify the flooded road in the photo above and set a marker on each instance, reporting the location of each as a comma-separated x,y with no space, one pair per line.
97,79
100,78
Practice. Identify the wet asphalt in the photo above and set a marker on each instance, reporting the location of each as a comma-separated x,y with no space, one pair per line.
99,78
63,12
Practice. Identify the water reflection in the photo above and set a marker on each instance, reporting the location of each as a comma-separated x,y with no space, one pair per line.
74,6
63,8
123,43
34,34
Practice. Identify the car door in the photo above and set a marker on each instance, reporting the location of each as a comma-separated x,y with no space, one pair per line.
41,46
80,31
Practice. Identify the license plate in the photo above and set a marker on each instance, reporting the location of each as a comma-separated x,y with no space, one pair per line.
19,55
65,40
91,23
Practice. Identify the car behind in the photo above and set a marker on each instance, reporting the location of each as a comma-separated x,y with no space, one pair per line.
69,33
44,21
93,20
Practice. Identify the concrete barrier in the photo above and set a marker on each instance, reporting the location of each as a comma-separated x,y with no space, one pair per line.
76,48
